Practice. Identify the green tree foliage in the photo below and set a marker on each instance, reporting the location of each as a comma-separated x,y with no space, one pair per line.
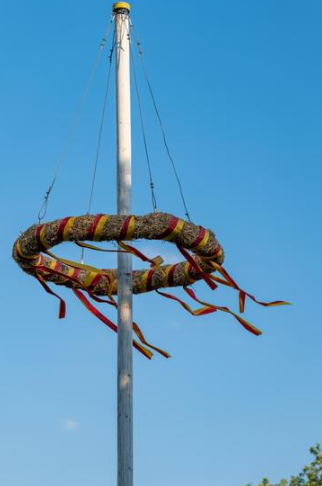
311,475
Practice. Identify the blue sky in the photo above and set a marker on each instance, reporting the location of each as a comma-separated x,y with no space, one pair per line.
239,89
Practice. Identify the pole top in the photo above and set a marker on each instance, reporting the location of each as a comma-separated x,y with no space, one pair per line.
121,6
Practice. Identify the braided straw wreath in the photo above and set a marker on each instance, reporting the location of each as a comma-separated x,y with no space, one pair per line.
31,252
102,227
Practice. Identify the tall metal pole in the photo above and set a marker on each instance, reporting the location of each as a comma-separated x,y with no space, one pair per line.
124,182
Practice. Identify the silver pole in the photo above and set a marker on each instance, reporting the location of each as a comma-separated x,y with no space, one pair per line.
124,182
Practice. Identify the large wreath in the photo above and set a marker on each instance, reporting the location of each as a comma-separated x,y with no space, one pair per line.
102,227
32,253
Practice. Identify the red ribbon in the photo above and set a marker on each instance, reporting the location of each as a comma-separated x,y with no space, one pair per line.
125,227
106,321
62,304
91,231
243,293
62,226
170,228
199,239
249,327
195,265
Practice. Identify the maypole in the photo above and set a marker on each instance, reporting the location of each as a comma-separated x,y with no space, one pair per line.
124,182
203,255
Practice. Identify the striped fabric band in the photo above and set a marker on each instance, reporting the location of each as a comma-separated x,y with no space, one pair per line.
127,230
96,229
21,254
201,241
65,227
187,270
174,229
169,275
146,282
40,235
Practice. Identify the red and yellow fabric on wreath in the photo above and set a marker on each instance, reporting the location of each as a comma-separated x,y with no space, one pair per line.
203,257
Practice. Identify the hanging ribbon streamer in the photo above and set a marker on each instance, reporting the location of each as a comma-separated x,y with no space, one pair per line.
208,309
249,327
96,248
148,354
136,328
242,293
155,262
91,283
202,252
197,268
62,304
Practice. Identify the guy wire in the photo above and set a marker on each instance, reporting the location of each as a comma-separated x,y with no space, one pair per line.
140,52
154,201
71,132
98,148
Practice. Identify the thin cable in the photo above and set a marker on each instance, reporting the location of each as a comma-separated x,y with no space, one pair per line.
98,149
43,209
99,139
138,43
153,197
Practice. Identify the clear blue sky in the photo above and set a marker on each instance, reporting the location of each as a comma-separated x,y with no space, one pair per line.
239,90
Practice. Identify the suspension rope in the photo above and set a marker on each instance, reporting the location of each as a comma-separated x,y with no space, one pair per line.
99,139
72,129
140,53
153,197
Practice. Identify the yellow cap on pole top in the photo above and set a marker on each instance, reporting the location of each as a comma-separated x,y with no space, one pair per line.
120,6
